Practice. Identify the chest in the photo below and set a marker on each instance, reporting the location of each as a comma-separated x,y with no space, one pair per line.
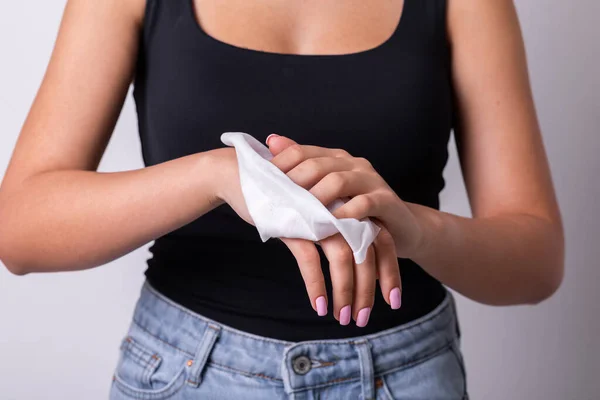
300,27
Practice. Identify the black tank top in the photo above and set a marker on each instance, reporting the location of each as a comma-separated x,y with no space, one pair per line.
391,104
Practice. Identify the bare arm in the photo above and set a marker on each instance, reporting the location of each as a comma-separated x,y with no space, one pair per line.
512,250
56,212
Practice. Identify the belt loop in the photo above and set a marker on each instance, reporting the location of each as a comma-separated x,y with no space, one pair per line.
367,375
211,333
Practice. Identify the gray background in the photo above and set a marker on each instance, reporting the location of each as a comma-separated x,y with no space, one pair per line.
59,333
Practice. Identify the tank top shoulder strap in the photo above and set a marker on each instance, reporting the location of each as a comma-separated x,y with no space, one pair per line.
165,13
423,17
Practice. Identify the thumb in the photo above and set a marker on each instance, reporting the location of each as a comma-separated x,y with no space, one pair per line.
277,143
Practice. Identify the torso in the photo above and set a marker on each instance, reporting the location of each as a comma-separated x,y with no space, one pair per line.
373,80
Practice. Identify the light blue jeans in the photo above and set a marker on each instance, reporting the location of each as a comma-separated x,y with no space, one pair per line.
172,353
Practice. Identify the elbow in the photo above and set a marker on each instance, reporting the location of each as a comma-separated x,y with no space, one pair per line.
8,249
551,272
548,284
13,266
15,269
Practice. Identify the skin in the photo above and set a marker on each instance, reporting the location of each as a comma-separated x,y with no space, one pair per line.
58,214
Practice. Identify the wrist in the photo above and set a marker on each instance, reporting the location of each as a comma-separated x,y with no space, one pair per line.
431,223
218,165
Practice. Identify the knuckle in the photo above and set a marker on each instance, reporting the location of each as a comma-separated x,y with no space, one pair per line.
365,203
314,281
388,196
296,152
340,153
363,163
312,168
343,254
306,255
385,236
368,293
345,289
385,240
336,180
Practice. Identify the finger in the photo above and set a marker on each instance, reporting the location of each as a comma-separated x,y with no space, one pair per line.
309,263
361,206
294,154
309,172
278,143
364,288
341,270
388,269
344,184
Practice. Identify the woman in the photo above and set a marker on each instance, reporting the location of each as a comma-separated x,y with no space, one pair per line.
363,100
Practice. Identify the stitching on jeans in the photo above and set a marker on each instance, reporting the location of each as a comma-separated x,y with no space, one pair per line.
434,313
456,352
321,364
150,368
328,383
337,380
225,367
153,292
381,375
392,331
162,340
417,361
135,357
137,353
208,362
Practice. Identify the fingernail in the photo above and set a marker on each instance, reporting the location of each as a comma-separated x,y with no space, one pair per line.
321,306
363,317
269,137
395,300
345,315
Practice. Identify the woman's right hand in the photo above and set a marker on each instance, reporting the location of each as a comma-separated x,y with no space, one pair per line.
353,285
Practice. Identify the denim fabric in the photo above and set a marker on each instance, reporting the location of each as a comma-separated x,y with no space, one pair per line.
172,353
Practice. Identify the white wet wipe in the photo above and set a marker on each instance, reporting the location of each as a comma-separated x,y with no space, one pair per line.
282,209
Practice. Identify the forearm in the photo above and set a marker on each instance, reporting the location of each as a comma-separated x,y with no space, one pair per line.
512,259
74,220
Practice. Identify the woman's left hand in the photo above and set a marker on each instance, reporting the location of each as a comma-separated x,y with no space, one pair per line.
330,174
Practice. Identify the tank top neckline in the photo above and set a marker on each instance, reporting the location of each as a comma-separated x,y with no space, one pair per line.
219,44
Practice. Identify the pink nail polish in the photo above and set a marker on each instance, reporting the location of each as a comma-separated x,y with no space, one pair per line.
345,315
395,300
269,137
321,306
363,317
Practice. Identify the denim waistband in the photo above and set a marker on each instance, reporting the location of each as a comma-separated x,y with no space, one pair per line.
210,343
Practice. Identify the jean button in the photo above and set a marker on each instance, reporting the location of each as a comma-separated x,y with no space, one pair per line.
301,365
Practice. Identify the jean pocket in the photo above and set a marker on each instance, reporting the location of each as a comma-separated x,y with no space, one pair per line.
148,370
439,376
